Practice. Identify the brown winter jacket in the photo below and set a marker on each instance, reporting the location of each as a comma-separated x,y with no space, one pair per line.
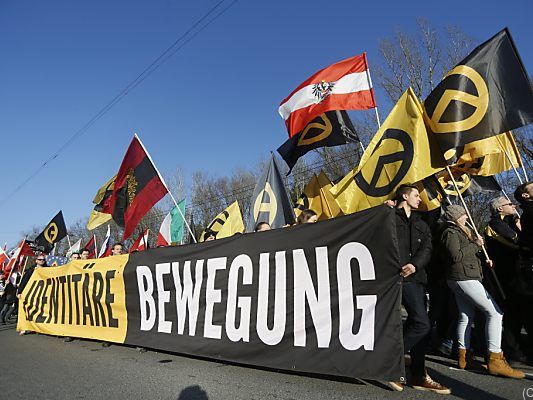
462,255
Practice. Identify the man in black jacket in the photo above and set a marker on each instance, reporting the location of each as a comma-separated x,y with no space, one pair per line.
522,296
414,244
524,195
501,236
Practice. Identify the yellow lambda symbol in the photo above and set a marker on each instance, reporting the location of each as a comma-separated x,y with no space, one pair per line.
271,207
480,102
463,183
326,128
51,232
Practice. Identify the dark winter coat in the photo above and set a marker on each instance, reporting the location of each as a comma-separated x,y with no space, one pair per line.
526,235
502,246
414,243
461,255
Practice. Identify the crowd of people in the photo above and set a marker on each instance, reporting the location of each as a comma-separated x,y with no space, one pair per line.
480,287
464,293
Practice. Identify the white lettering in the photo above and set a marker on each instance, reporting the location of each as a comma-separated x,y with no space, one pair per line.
244,303
163,296
189,296
318,305
146,299
212,296
367,303
272,336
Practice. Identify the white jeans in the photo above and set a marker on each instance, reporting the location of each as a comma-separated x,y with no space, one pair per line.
471,295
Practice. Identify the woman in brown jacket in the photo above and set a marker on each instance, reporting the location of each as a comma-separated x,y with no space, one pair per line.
462,249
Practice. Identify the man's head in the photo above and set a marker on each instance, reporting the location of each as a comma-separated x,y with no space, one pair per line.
524,193
209,236
262,226
408,195
75,256
502,206
41,260
307,216
116,250
84,254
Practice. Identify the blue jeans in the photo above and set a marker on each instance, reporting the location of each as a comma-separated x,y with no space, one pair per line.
471,295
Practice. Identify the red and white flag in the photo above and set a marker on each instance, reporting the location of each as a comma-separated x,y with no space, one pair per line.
141,243
23,249
164,235
3,256
345,85
105,250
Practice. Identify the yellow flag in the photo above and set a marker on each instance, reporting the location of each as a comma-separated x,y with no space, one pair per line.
227,223
490,156
97,217
430,194
398,153
317,197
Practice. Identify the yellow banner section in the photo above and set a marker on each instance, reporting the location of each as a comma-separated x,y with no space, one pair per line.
84,298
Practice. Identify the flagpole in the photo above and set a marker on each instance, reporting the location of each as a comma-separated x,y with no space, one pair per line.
166,187
466,209
472,223
510,161
68,238
371,91
508,199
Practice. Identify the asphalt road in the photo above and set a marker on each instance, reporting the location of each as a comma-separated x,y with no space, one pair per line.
45,367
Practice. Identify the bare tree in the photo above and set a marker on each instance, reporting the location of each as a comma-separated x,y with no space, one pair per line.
417,60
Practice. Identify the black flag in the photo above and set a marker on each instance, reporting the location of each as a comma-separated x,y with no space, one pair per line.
332,128
270,202
53,233
486,94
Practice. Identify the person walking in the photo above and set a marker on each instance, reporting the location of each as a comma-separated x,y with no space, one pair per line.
462,250
414,244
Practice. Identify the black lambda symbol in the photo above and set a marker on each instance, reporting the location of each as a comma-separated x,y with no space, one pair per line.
406,157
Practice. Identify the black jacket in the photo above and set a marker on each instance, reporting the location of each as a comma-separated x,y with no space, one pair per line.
502,246
414,243
525,239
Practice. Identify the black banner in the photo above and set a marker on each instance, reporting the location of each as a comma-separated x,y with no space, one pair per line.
333,128
486,94
321,298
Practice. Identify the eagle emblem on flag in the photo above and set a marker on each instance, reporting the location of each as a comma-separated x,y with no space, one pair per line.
131,186
323,89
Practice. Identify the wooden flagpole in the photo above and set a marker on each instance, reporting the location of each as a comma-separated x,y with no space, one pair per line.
166,187
511,161
473,225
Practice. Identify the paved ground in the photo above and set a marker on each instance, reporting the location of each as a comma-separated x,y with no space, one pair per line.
44,367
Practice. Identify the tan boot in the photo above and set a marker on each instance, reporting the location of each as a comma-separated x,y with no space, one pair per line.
498,366
465,360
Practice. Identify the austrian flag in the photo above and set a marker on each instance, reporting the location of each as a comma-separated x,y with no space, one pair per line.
345,85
